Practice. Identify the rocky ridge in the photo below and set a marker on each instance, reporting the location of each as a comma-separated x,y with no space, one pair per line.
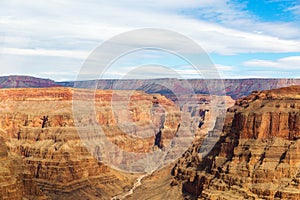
236,88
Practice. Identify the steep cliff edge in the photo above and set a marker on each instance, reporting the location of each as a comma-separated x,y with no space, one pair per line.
257,156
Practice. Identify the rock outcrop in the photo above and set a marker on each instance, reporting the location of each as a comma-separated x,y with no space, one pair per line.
257,156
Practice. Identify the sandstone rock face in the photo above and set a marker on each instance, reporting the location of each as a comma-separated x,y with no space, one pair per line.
269,114
11,167
56,163
257,156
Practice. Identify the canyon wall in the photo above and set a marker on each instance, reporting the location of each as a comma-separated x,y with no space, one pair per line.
160,184
44,157
257,156
11,169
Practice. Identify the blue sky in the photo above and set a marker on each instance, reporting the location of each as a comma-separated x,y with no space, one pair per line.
244,39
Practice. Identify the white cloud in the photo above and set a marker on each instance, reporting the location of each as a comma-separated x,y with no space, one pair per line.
295,9
46,52
234,15
71,29
169,4
224,67
161,71
96,21
287,63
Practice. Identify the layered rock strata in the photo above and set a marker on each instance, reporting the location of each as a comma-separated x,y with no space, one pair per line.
11,169
160,184
41,134
257,156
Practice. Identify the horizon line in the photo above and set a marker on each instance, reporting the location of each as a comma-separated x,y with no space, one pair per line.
158,78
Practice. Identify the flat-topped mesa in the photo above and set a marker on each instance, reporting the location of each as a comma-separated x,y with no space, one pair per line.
25,82
266,114
288,93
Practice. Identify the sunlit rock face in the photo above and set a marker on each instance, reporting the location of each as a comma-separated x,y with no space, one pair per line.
50,159
257,156
11,168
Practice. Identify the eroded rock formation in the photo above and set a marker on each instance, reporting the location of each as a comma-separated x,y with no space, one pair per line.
257,156
47,159
160,184
11,169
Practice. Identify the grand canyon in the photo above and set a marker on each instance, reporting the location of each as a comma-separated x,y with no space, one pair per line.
150,100
244,144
